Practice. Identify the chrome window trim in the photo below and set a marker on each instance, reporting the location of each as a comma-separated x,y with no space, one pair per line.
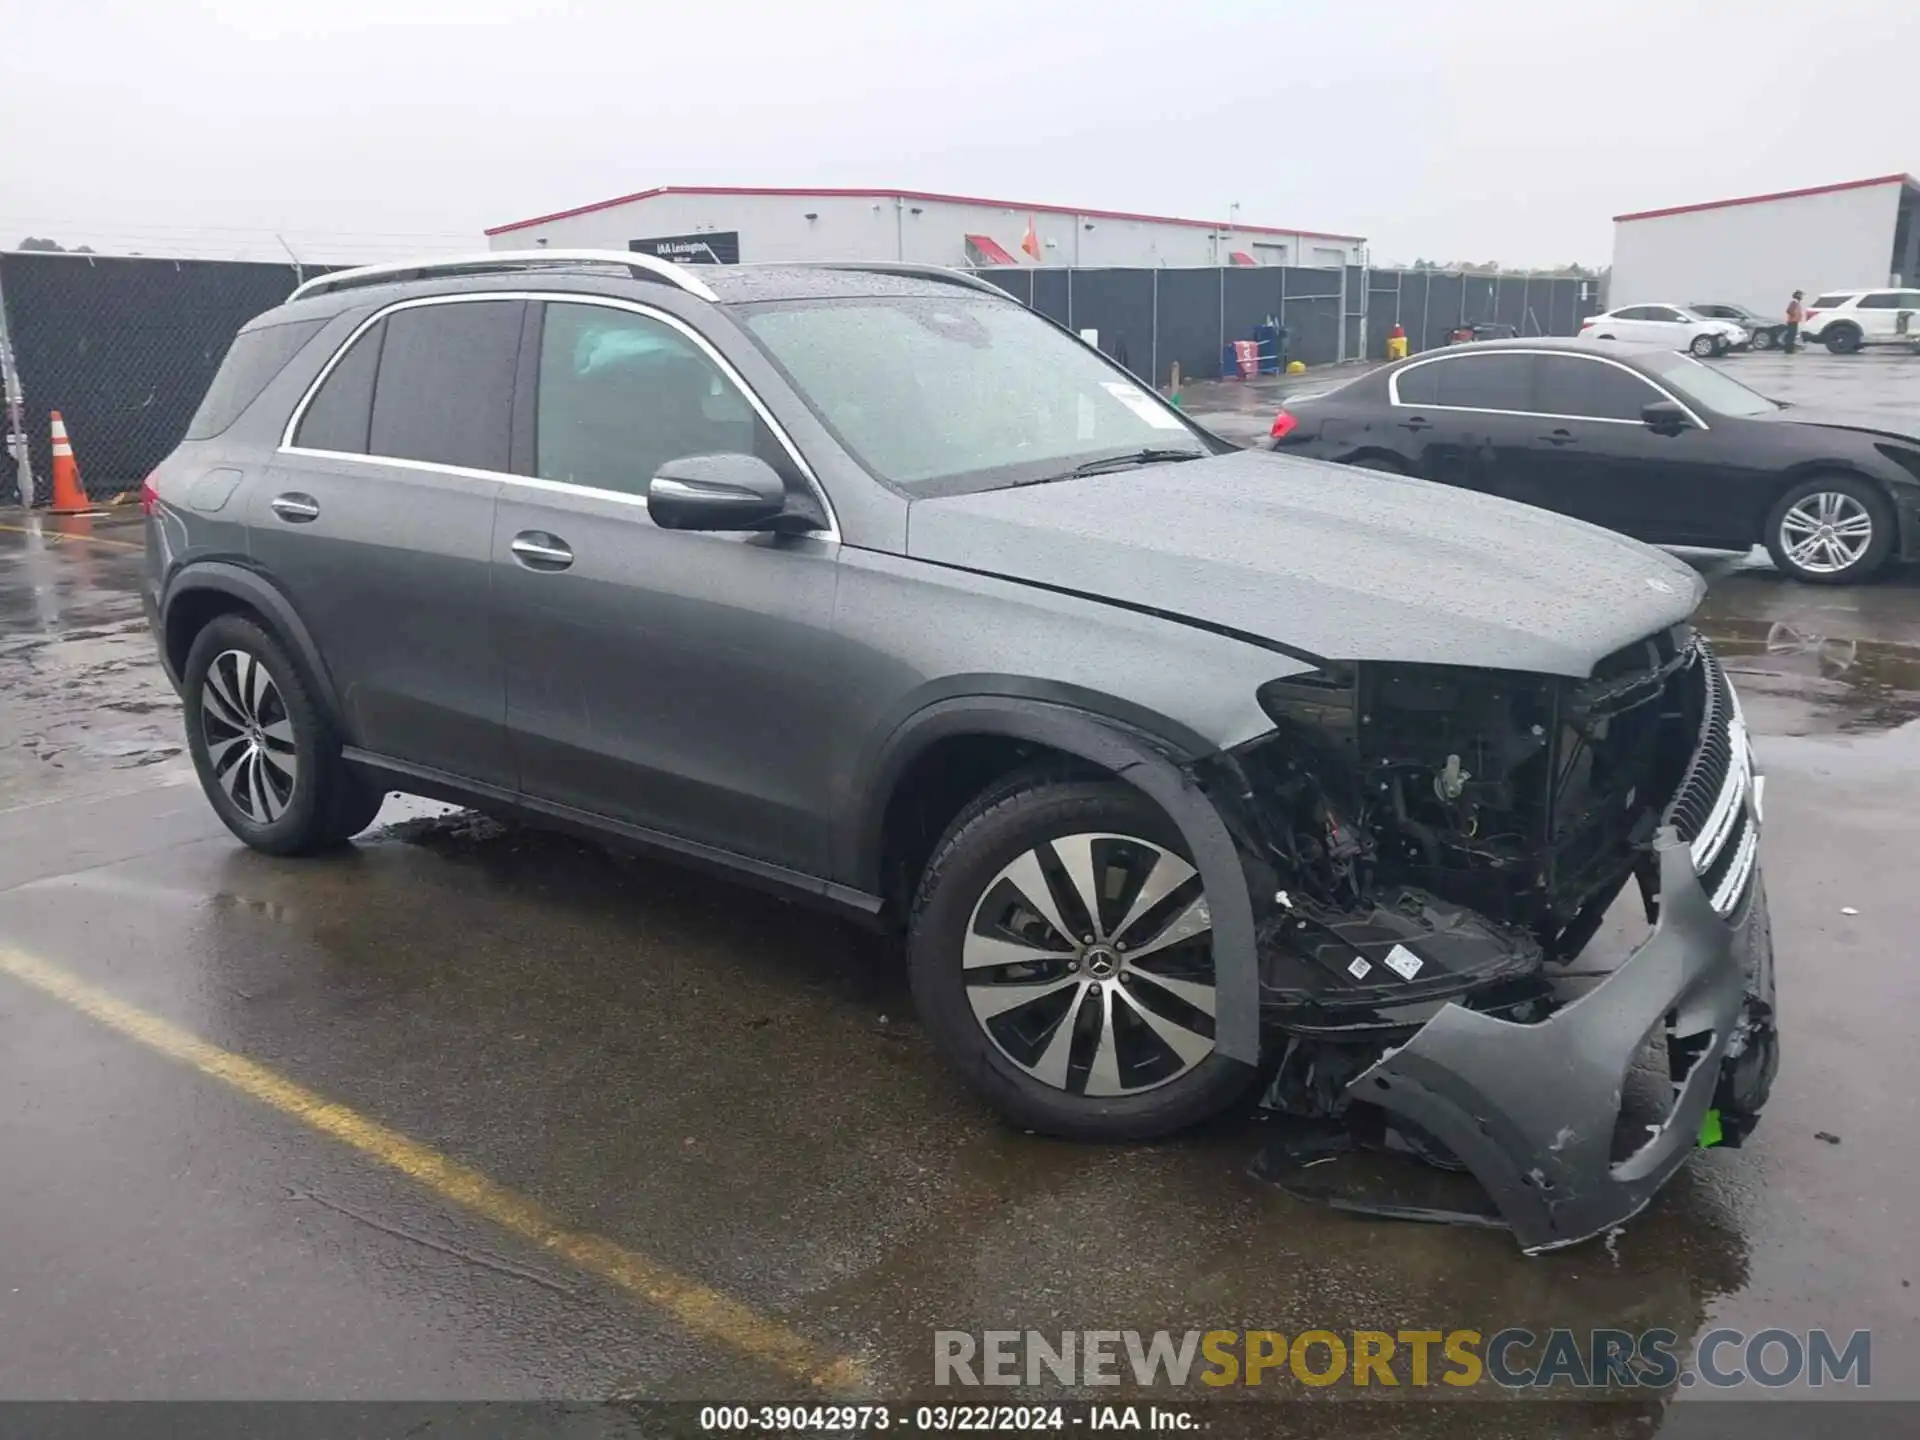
535,482
1393,388
452,266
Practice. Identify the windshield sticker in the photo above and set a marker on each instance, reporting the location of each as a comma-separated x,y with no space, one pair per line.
1403,962
1142,405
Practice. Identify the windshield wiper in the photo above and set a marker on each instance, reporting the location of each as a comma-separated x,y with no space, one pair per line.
1130,461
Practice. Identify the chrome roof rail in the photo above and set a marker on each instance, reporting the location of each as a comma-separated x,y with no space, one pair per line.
940,273
506,262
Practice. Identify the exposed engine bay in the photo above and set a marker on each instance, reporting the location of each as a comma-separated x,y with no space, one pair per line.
1427,836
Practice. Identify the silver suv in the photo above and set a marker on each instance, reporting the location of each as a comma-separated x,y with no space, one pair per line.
1176,765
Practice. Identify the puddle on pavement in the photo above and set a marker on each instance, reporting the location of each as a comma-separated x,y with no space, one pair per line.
1820,684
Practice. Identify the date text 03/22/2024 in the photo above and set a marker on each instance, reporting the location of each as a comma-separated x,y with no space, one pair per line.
943,1419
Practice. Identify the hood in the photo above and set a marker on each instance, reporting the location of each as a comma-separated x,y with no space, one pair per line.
1896,426
1338,563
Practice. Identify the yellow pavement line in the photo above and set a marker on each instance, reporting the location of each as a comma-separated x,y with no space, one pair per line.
700,1309
57,535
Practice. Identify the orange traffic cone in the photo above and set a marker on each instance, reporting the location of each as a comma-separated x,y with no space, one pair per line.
68,497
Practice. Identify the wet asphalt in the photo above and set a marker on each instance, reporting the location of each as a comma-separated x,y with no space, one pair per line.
736,1090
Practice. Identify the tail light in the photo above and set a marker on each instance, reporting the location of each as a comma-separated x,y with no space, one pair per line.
1812,313
1283,424
149,495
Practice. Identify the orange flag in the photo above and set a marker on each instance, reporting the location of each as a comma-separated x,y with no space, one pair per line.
1032,243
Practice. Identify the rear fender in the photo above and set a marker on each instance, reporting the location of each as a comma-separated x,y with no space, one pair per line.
259,594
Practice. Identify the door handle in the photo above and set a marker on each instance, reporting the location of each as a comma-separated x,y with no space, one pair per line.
1416,422
537,550
1559,437
295,508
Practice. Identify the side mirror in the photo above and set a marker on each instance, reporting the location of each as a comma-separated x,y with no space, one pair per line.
716,492
1665,415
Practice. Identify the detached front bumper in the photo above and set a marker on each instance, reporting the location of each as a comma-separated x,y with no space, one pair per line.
1531,1109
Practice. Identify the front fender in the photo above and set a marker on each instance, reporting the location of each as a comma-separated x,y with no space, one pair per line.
1151,767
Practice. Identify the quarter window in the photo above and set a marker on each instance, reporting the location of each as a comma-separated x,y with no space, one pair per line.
1469,382
1637,312
1589,389
1832,302
254,358
622,394
337,416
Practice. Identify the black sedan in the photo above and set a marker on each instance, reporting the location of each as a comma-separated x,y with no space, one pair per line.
1637,439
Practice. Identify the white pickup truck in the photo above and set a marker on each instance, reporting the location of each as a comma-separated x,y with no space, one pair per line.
1845,320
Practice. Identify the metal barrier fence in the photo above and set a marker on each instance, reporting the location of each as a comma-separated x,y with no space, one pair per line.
124,347
1151,320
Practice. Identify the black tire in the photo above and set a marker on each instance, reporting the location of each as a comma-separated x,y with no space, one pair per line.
324,803
991,834
1703,346
1842,339
1864,494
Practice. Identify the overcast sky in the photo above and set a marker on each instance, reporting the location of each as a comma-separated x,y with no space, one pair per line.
1450,130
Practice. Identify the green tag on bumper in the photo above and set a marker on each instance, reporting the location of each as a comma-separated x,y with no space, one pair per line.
1710,1130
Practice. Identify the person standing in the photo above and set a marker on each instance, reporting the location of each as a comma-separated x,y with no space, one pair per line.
1796,312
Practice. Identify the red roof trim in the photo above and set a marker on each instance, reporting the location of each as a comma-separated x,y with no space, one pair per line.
996,253
913,195
1906,180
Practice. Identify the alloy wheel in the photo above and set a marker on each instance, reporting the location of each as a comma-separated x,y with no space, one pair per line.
1704,345
1089,964
1826,532
249,736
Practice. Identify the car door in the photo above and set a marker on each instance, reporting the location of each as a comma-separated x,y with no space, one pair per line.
1469,402
377,523
1667,326
1888,315
1598,460
1437,405
674,681
1630,322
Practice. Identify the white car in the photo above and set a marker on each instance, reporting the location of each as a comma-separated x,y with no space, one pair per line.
1845,320
1671,325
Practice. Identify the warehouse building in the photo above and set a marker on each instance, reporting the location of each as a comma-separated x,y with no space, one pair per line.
1756,251
706,224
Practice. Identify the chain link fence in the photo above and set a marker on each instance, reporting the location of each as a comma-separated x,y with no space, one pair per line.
125,347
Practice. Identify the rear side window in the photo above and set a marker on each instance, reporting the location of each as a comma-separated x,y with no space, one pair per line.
622,394
1636,312
444,393
1891,300
1832,302
254,358
336,417
1470,382
1589,389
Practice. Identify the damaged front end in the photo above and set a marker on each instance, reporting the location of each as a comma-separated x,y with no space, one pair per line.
1429,848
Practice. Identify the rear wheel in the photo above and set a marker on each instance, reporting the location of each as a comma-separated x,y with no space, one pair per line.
1061,955
267,758
1830,530
1842,339
1704,345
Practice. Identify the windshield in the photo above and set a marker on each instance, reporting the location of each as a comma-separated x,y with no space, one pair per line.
1715,389
940,395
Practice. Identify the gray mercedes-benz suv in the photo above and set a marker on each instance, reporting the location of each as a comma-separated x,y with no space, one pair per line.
1176,764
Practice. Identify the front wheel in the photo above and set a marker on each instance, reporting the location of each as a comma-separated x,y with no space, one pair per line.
1764,339
1061,954
1830,530
1705,345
